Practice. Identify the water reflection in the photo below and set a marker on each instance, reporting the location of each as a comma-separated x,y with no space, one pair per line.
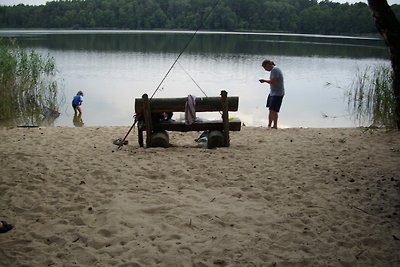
77,120
115,68
206,42
38,116
49,117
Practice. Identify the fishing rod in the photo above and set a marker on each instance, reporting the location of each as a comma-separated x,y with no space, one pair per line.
172,66
121,143
186,46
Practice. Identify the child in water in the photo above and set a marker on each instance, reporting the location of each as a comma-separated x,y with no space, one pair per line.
77,102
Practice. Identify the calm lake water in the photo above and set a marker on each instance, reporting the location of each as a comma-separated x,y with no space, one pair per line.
115,67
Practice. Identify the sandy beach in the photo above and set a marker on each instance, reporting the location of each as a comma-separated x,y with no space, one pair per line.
286,197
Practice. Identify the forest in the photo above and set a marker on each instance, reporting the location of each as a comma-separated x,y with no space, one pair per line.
291,16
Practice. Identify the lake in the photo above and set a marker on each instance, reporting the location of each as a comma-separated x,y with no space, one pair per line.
115,67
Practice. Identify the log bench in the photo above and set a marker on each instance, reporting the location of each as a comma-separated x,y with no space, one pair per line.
156,131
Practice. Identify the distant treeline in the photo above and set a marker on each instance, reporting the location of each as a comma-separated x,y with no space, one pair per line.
295,16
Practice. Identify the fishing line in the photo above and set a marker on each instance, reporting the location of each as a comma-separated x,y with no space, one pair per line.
172,66
195,82
198,86
186,46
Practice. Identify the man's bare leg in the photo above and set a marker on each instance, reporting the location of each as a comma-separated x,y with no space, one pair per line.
270,119
273,118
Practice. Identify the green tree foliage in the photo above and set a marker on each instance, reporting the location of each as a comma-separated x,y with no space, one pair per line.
297,16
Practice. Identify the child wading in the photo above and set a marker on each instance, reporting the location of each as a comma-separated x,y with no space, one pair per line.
77,102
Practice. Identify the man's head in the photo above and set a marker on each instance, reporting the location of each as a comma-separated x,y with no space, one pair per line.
268,64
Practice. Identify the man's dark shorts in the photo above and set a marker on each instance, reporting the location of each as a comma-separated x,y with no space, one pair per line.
274,102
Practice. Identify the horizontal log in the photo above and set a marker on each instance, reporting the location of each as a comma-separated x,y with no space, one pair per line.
234,125
203,104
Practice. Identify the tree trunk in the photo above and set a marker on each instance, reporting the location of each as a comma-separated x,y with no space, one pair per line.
389,27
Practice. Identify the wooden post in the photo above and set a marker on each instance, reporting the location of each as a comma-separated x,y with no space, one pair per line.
147,118
225,118
140,137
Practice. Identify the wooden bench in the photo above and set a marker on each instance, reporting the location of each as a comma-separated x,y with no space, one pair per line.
156,131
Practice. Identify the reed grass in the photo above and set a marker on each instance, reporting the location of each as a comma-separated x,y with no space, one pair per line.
28,86
371,99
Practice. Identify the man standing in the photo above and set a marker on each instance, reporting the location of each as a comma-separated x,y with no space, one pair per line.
277,91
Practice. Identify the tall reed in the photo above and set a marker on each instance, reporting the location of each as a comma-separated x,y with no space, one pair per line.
28,86
371,100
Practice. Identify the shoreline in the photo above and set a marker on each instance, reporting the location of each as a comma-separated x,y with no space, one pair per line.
286,197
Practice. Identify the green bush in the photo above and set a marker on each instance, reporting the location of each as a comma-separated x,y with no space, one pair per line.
28,86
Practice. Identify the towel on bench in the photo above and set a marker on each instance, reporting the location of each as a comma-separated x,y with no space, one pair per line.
190,110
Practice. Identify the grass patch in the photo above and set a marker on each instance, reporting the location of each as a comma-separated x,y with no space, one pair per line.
371,99
29,92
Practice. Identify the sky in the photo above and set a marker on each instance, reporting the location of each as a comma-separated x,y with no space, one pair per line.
41,2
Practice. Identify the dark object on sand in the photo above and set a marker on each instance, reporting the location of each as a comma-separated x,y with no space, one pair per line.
5,227
120,142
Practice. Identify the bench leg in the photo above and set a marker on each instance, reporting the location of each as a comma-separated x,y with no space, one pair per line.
140,137
215,139
159,139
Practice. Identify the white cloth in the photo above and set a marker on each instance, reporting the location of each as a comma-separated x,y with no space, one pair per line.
190,110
